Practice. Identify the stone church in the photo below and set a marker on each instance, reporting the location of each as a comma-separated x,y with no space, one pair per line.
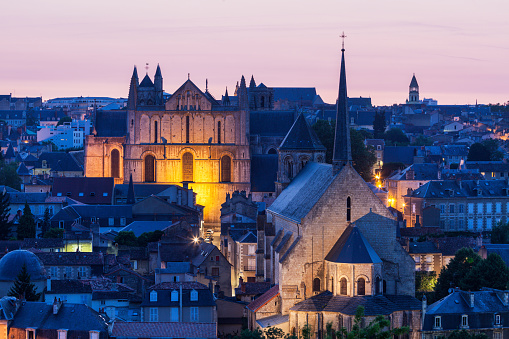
189,138
336,247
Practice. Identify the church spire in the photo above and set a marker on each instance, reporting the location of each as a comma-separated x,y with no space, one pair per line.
130,192
242,94
133,90
252,83
226,98
342,149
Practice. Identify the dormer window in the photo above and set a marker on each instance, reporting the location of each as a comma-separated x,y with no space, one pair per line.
438,322
153,296
194,295
174,296
497,319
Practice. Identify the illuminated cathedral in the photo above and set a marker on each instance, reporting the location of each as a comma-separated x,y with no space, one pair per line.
192,139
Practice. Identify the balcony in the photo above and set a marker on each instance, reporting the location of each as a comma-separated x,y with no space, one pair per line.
249,268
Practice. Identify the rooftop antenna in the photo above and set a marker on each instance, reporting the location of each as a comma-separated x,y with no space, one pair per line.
206,85
343,36
146,67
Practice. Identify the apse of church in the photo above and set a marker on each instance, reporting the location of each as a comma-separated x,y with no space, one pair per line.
191,139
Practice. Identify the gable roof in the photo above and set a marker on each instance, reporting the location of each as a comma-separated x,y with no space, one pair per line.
264,172
59,161
146,82
353,248
294,93
70,258
304,191
87,190
301,136
264,299
140,227
271,123
111,123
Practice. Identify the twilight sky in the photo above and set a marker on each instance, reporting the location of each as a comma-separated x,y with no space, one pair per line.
458,49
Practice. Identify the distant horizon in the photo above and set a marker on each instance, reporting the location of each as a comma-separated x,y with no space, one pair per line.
459,51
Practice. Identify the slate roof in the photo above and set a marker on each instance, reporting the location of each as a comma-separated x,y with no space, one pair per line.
413,83
86,190
31,198
69,286
175,268
59,161
253,288
271,123
248,238
140,190
73,317
418,231
373,305
264,172
501,249
176,285
444,189
7,308
301,137
487,303
163,330
146,82
294,93
353,248
448,246
454,150
421,172
259,302
140,227
273,320
111,123
22,169
71,258
403,154
488,166
305,190
42,243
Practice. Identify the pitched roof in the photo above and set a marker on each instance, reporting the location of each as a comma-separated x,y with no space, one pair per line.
294,93
253,288
163,330
271,123
353,248
264,299
22,169
59,161
264,172
87,190
448,189
146,82
413,82
186,285
140,227
301,136
70,258
403,154
68,286
304,191
111,123
422,247
373,305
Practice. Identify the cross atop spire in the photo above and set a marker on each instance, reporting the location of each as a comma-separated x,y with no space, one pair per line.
343,36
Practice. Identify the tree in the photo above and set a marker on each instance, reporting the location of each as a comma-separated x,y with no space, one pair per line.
425,281
378,328
492,146
396,137
379,125
363,158
422,140
306,331
491,272
464,334
8,175
478,152
325,132
54,233
389,167
26,226
5,225
126,238
500,234
46,224
147,237
64,120
23,288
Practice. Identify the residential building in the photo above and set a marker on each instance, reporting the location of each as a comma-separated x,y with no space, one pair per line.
57,164
72,265
491,170
93,191
153,330
68,135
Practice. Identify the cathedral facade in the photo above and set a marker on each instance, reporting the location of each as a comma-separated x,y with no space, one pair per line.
190,139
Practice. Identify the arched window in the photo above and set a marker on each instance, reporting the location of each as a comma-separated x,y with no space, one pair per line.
187,129
289,167
343,286
115,163
316,285
262,99
226,169
219,132
348,209
155,132
377,285
272,151
150,168
361,286
187,167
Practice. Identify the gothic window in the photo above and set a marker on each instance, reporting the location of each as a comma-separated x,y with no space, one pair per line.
155,132
115,164
219,132
377,285
348,209
361,286
187,167
187,129
289,167
150,162
272,151
332,285
316,285
226,168
262,104
343,286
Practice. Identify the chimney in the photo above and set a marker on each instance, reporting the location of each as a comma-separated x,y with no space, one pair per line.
506,298
410,174
417,223
424,305
240,281
243,287
56,305
472,299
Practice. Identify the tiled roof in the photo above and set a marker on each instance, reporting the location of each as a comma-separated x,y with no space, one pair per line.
71,258
373,305
42,243
163,330
253,288
301,136
264,299
294,93
176,285
69,286
488,166
31,198
273,320
450,245
140,227
353,248
403,154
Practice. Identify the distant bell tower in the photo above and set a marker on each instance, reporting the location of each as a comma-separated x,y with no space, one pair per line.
413,93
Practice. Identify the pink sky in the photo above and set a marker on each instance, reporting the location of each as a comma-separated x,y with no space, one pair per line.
459,50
